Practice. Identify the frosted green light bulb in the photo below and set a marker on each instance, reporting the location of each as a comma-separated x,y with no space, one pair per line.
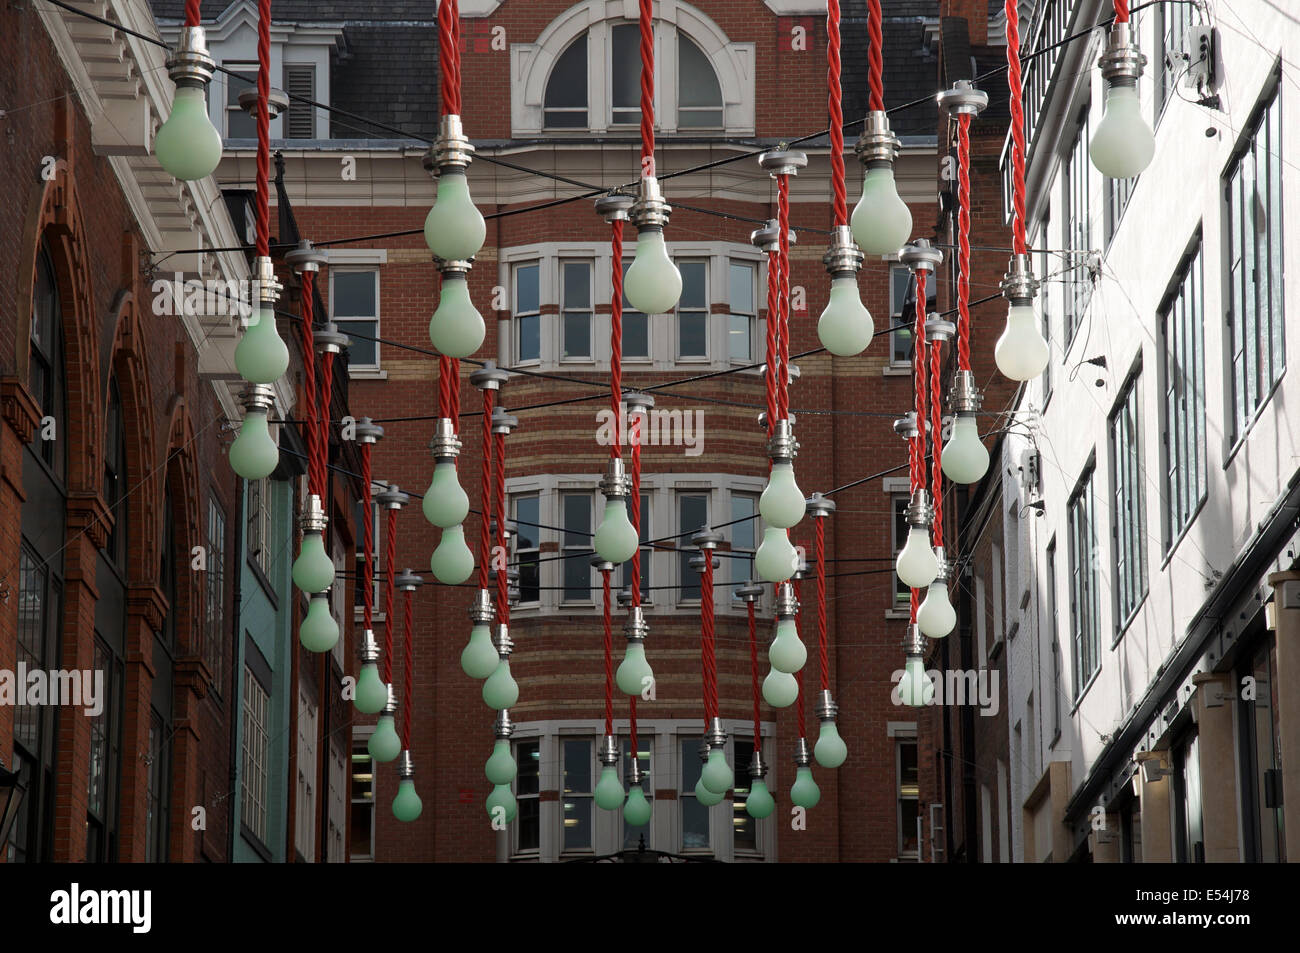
705,796
653,284
780,689
804,792
501,803
445,502
634,670
454,228
845,327
372,693
500,768
479,657
254,454
1021,352
787,652
1123,144
261,357
881,220
616,539
830,750
916,689
965,458
936,616
456,328
637,809
917,565
452,562
717,774
313,571
384,744
776,559
318,632
782,504
501,690
760,803
187,145
609,789
407,805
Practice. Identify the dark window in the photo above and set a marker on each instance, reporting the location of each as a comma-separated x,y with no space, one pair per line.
565,105
693,310
695,816
1083,582
214,603
636,329
692,515
575,546
744,828
527,791
528,318
1190,839
46,371
1128,514
699,97
1264,827
1183,325
633,836
526,547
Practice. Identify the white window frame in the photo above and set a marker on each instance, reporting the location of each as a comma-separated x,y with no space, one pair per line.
566,547
361,370
750,316
709,353
563,312
516,350
305,788
255,808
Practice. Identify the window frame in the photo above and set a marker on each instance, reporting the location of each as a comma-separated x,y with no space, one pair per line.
685,551
587,797
1086,644
903,794
254,774
1077,176
521,551
354,366
517,315
1183,426
750,317
582,547
247,71
705,311
564,312
214,596
360,753
1127,432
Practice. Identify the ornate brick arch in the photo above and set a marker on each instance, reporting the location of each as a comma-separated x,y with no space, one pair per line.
57,220
129,364
180,466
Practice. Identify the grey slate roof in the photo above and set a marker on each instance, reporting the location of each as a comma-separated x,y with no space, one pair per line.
911,66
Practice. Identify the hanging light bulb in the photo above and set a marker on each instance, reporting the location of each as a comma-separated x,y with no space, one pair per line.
456,328
445,503
776,559
479,657
187,145
616,539
384,744
916,565
780,689
804,792
653,284
965,458
313,570
830,750
1123,144
371,694
501,767
782,502
634,674
936,616
881,220
717,774
1021,352
845,327
318,632
261,357
407,804
501,804
706,797
636,812
609,789
787,652
500,690
916,688
255,454
452,561
454,228
759,803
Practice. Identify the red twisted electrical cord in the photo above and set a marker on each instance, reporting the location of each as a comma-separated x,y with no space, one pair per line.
444,385
646,22
390,560
263,129
876,55
919,354
503,600
368,579
408,674
936,444
609,656
823,652
798,676
616,332
963,242
309,381
1121,11
453,392
192,14
1014,82
632,724
753,664
783,300
773,321
634,435
323,421
707,643
485,492
449,57
841,205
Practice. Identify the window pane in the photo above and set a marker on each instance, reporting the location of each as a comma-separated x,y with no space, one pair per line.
576,810
744,827
697,83
694,293
526,542
530,337
625,73
692,334
577,335
743,537
567,86
695,816
577,286
742,288
526,513
577,546
239,124
739,346
527,296
354,294
693,513
699,118
636,335
363,351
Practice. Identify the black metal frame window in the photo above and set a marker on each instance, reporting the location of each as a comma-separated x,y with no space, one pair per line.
1183,336
1128,513
1078,229
1083,582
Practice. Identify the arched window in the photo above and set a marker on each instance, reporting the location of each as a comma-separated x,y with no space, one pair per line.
46,373
566,90
158,792
115,474
699,96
